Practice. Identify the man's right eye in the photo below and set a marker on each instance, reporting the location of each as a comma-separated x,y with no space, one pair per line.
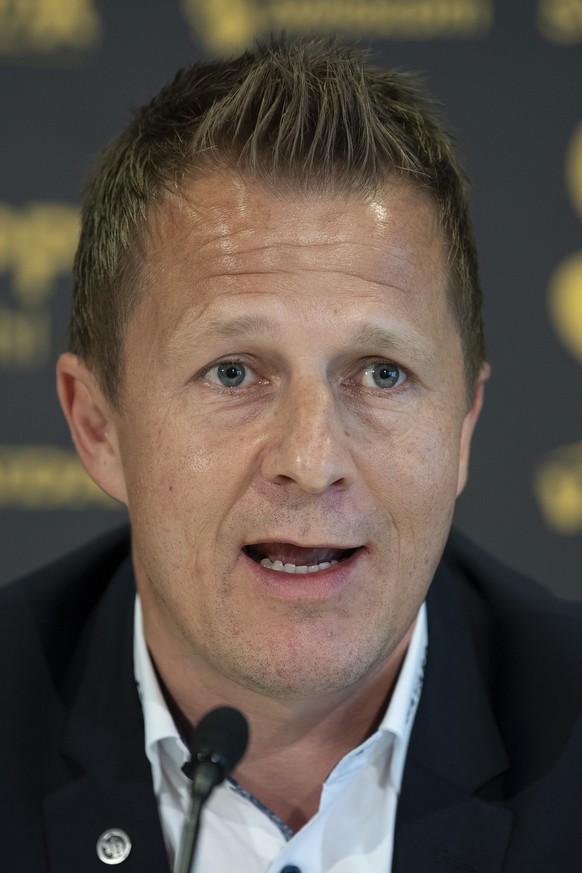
228,374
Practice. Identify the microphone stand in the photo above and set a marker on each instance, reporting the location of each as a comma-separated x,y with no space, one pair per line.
206,775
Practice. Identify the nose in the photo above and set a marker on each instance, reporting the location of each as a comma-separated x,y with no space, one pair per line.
308,444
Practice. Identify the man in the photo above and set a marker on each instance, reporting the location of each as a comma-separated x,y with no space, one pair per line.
276,362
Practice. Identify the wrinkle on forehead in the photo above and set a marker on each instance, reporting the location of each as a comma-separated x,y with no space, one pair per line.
224,209
218,230
211,220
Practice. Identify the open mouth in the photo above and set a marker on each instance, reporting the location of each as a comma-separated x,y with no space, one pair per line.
288,558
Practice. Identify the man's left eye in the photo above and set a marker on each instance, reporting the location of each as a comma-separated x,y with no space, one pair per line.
382,374
229,374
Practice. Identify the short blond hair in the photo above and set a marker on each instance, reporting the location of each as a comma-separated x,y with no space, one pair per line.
295,116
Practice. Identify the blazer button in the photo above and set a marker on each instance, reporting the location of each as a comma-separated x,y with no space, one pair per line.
113,846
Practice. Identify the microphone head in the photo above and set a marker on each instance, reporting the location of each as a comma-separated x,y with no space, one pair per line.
221,736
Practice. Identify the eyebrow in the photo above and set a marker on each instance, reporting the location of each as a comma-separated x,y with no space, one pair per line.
192,333
364,334
370,334
243,325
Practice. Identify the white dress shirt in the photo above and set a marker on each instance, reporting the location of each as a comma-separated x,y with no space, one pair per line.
353,830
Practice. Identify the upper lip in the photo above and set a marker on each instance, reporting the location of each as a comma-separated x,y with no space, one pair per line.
288,553
302,545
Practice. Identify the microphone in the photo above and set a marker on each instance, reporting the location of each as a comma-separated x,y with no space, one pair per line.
216,745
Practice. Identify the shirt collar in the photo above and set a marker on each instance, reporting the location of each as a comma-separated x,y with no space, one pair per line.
160,727
399,716
390,741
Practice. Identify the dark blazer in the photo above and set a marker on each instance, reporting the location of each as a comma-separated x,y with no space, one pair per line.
493,780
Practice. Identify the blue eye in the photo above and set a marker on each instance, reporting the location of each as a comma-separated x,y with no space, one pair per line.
231,374
382,375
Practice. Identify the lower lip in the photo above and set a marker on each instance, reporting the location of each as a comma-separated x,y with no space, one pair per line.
305,586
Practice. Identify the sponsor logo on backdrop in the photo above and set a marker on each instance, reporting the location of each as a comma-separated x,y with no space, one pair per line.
47,477
574,169
227,25
45,26
37,246
558,487
560,20
558,479
565,305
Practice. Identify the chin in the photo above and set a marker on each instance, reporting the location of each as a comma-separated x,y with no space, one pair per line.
296,675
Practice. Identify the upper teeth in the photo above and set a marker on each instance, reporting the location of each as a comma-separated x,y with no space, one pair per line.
295,568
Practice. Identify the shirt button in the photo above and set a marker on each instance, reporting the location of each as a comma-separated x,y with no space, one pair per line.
290,868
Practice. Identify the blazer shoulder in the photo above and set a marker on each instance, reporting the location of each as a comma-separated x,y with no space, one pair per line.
528,646
503,589
521,630
50,610
530,640
87,568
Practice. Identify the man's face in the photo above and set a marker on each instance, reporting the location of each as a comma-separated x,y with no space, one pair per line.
294,397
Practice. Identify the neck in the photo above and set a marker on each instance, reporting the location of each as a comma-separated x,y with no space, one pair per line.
294,742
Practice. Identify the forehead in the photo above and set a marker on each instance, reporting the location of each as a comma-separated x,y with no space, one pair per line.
222,237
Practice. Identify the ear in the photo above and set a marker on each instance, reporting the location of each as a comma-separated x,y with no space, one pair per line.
92,425
469,425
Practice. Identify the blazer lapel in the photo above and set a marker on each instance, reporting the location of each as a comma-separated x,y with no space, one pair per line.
110,785
446,821
457,833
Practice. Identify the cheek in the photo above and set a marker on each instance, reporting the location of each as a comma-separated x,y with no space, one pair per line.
200,461
416,470
184,481
164,456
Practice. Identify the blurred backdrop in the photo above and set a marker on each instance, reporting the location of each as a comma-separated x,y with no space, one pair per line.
510,77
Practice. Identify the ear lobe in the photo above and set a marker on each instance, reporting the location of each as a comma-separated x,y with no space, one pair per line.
91,423
469,426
